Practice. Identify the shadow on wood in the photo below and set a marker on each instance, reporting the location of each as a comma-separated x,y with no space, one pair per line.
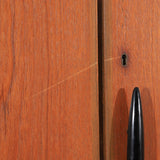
118,150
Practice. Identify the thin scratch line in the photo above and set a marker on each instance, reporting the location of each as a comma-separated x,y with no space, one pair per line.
60,82
110,59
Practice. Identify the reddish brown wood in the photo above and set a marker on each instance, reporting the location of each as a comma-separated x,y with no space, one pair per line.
48,80
131,27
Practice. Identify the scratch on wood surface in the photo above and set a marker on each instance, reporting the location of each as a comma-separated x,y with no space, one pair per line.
62,81
75,74
110,59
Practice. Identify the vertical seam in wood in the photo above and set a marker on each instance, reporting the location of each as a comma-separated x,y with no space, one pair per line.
100,76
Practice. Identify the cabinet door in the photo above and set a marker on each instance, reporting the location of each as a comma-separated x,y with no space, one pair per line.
131,28
48,80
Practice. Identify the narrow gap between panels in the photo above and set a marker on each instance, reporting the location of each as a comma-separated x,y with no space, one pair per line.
100,71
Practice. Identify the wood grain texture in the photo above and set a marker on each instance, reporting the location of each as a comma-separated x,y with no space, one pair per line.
48,80
132,27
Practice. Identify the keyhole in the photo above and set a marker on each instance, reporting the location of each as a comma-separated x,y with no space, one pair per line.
124,59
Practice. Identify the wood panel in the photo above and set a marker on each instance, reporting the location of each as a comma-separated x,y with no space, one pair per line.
131,27
48,80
